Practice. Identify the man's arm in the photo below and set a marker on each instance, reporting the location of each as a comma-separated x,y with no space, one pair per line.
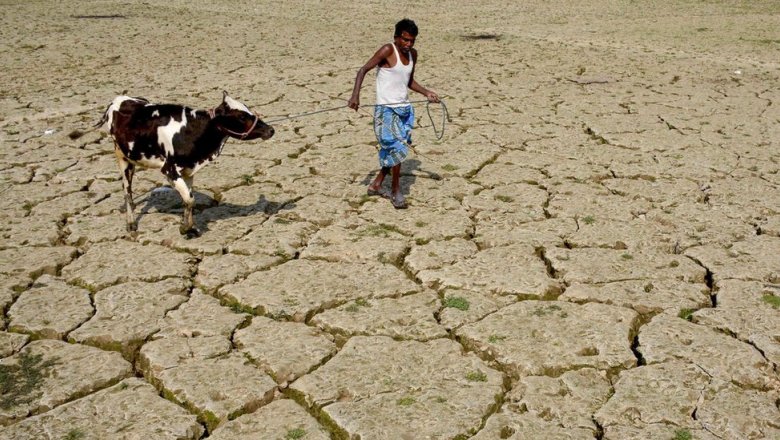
417,87
379,57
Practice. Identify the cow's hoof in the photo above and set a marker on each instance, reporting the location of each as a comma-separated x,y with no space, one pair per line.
132,227
190,233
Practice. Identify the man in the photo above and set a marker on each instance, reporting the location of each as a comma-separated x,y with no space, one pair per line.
393,114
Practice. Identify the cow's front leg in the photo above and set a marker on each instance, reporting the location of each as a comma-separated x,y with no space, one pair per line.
191,230
127,170
184,187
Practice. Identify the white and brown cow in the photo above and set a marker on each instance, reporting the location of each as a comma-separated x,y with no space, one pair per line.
176,139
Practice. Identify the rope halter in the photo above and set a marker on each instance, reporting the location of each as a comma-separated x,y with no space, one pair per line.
242,136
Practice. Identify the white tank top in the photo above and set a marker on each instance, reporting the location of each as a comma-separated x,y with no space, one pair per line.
392,83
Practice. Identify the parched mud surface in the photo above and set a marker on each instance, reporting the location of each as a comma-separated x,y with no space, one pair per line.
591,251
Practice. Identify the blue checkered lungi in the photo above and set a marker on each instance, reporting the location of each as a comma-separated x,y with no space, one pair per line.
393,130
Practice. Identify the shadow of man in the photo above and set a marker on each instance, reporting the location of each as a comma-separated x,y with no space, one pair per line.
410,170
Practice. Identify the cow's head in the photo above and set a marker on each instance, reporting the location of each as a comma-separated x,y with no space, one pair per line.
236,120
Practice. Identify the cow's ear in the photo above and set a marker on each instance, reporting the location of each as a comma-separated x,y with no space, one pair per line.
224,95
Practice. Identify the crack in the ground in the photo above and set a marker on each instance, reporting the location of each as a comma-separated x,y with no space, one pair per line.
728,332
546,205
317,412
16,291
708,281
92,316
636,327
541,252
700,400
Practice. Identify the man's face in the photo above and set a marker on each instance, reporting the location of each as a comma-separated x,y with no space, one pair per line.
405,41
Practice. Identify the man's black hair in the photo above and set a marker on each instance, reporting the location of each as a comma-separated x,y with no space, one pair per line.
406,25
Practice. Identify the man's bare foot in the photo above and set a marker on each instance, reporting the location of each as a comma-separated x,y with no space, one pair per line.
376,191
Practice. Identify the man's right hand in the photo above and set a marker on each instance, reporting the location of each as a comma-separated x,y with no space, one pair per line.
354,103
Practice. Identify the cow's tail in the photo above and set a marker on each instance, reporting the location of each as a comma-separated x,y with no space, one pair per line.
104,120
75,134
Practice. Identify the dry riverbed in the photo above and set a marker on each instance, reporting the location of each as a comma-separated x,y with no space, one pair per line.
591,251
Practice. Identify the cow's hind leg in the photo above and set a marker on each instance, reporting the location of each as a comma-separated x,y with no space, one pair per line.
127,170
184,187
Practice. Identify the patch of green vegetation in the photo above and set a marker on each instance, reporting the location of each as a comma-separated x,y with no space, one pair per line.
420,224
588,220
355,306
364,198
75,434
546,310
281,221
506,432
456,302
240,308
449,167
211,420
686,314
627,257
494,339
19,382
280,253
295,434
380,230
440,399
503,198
169,395
772,300
32,47
476,376
682,434
247,179
406,401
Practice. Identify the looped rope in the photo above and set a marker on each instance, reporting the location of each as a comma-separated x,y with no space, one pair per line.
445,116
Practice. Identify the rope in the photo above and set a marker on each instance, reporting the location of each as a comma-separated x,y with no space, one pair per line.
273,121
445,116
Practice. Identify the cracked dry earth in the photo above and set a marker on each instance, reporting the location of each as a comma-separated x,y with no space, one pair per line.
591,251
